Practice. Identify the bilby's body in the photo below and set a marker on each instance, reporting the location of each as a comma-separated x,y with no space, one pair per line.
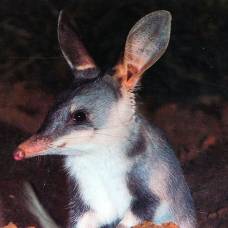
139,180
121,169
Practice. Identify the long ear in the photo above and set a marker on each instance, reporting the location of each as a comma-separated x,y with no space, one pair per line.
146,42
72,48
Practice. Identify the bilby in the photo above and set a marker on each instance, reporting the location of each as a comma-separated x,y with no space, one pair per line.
122,170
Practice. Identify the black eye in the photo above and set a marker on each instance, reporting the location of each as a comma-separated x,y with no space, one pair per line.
79,116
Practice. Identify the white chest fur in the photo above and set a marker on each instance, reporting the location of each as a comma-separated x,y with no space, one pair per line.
102,182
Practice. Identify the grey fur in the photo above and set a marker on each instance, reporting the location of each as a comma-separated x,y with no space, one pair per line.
158,154
93,96
138,146
76,206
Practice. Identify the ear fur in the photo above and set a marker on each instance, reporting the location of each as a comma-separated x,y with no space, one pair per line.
71,46
145,44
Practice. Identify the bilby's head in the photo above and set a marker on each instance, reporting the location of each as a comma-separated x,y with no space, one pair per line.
99,108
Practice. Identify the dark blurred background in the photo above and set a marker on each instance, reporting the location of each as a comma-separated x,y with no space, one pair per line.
185,92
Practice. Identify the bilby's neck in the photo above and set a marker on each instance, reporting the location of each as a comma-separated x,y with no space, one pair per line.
110,150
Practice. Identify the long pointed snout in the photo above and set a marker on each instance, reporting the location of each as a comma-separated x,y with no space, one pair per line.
32,147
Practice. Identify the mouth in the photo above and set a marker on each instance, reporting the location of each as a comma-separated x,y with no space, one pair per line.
32,147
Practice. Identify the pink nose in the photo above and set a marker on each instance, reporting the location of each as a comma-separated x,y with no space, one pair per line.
19,154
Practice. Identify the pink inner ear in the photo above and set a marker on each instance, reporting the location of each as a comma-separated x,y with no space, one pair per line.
127,74
131,71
